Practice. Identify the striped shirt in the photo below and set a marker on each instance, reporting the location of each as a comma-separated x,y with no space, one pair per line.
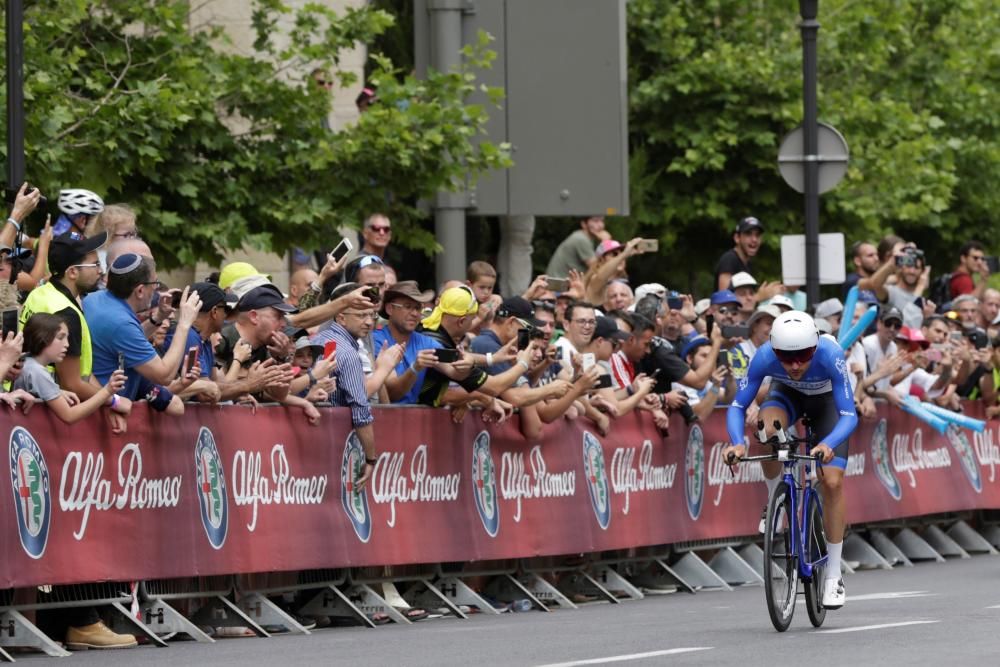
350,374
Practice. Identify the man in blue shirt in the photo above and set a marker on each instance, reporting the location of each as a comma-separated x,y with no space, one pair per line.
401,306
115,330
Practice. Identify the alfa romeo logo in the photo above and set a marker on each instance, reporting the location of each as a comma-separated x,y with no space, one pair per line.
484,484
694,472
29,478
354,500
597,479
213,500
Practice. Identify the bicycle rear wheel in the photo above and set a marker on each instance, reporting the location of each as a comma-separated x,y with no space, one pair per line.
781,572
815,548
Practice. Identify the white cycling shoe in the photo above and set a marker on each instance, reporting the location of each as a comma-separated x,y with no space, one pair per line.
834,595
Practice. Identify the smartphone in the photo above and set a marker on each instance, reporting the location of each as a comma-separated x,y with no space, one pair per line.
648,245
192,358
446,355
523,338
557,284
735,331
709,325
675,302
956,336
993,264
121,361
174,299
42,201
329,349
656,371
372,293
342,249
723,358
9,321
604,382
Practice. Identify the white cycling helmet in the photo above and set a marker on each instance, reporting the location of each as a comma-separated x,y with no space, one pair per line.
794,331
76,201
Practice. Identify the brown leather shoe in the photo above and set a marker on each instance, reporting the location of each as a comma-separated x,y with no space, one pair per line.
97,636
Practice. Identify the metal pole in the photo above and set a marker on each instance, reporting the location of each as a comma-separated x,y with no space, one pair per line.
449,207
810,26
15,94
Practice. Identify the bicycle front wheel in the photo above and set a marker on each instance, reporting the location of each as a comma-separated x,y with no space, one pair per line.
815,548
781,572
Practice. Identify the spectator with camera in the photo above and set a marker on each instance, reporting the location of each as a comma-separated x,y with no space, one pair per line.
882,354
118,339
718,390
576,251
906,295
678,323
610,265
402,306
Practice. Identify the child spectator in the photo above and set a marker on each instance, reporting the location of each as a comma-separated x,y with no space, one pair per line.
46,339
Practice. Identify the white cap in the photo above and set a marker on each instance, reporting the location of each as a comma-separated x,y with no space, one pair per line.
741,279
780,300
761,312
829,307
823,326
650,288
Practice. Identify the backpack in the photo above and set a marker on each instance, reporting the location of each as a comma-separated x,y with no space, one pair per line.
940,290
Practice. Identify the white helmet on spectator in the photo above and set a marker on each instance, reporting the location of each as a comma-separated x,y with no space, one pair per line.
76,201
793,331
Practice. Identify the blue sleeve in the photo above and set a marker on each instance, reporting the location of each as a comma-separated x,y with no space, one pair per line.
836,366
748,386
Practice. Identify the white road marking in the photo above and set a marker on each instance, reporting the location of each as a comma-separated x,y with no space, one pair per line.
862,628
891,595
996,606
629,656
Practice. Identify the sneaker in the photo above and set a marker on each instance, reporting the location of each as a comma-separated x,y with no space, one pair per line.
834,595
97,636
762,528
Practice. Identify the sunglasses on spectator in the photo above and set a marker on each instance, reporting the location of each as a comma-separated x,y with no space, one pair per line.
793,356
381,229
893,324
727,310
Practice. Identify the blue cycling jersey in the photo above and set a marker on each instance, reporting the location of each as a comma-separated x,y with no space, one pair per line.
827,373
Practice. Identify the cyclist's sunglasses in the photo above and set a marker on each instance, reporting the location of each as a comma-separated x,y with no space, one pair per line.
793,356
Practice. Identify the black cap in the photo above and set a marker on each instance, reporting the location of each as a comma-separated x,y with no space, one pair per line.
748,224
66,251
519,307
212,295
891,313
608,329
265,296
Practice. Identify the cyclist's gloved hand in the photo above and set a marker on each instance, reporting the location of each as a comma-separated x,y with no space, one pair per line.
733,453
822,451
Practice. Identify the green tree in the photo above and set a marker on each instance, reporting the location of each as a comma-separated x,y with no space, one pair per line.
218,148
715,85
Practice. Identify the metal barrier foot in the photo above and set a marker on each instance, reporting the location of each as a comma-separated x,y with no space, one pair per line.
915,547
991,533
330,601
735,571
220,612
127,622
698,574
370,602
943,544
544,591
6,657
163,619
424,595
885,546
461,595
16,630
867,556
612,580
969,539
266,613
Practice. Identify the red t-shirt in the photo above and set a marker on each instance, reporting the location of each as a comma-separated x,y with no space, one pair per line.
961,283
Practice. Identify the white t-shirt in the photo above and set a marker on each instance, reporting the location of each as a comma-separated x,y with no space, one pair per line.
856,362
922,379
874,354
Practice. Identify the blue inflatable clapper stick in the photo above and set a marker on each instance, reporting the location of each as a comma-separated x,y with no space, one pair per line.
845,318
977,425
912,405
847,340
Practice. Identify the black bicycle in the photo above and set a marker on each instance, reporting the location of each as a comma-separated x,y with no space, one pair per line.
794,539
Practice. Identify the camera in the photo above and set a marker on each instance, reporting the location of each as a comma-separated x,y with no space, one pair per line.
911,257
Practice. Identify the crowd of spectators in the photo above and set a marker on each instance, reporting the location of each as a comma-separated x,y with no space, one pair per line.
98,331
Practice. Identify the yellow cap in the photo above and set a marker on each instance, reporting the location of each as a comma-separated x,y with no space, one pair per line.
457,301
233,272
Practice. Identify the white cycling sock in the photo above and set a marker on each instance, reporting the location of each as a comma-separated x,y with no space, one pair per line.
771,482
833,562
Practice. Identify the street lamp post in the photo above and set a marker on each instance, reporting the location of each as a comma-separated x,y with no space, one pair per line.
15,94
810,26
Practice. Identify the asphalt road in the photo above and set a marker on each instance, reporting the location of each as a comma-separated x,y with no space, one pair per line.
931,614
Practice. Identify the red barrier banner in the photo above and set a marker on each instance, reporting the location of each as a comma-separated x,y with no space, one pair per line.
222,490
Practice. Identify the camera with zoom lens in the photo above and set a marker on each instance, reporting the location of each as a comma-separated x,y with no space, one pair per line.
911,257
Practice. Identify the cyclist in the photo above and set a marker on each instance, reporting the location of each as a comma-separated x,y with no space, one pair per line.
808,379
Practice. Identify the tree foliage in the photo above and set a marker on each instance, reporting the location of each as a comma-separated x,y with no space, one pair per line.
218,148
715,85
